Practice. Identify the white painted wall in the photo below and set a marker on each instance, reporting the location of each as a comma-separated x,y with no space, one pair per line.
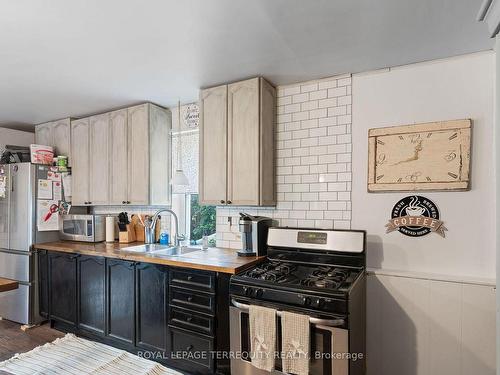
15,137
455,88
497,169
430,310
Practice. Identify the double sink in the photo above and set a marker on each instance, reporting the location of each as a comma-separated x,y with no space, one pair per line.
159,250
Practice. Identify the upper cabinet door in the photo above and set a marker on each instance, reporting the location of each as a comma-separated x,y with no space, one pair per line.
99,164
213,146
118,157
80,133
243,143
61,137
43,134
138,155
160,156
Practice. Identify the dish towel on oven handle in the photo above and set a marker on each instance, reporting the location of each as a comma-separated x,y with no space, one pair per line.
262,336
295,343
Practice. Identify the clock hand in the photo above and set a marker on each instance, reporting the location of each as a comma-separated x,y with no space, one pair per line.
418,148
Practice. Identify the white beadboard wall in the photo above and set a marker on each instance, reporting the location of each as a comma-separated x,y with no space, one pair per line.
423,326
313,147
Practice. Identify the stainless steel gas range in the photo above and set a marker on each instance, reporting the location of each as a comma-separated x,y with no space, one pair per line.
318,273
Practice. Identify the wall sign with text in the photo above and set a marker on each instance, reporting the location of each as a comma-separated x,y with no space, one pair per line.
416,216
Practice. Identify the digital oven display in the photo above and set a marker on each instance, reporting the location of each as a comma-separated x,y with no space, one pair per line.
318,238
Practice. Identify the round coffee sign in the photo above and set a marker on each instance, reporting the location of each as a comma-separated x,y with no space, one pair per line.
415,216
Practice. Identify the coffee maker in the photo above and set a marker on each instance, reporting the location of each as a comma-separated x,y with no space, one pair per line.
254,234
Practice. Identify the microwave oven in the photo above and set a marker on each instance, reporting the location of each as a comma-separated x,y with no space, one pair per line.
86,228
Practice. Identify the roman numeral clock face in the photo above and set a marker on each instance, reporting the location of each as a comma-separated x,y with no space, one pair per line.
432,159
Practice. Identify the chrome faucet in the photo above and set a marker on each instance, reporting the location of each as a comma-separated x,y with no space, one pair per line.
150,228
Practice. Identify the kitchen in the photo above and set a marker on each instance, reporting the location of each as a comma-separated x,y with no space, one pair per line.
267,215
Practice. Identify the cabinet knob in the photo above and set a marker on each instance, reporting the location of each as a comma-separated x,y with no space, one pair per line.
222,201
189,278
190,298
128,202
124,202
229,202
189,319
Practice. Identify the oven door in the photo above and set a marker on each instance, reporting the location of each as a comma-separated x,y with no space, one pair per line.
327,339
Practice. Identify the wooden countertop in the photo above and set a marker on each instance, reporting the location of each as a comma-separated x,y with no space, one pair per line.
213,259
6,285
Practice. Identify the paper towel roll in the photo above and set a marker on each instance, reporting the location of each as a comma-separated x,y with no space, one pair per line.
110,229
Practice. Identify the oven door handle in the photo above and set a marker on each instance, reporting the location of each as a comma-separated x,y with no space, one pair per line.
315,321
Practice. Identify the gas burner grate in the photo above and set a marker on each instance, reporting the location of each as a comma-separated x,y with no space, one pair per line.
321,282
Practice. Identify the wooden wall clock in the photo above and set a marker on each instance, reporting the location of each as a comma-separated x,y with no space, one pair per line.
430,156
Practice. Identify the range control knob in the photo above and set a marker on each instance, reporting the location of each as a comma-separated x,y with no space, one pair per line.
318,302
306,301
259,293
247,291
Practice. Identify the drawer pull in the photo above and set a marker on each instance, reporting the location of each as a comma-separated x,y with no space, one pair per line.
189,348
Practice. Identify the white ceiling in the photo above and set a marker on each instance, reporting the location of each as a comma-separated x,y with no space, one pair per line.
63,58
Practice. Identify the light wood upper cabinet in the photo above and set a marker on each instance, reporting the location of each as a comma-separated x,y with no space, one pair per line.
243,143
99,164
123,157
56,134
159,161
138,155
118,158
237,144
61,137
80,130
213,146
43,134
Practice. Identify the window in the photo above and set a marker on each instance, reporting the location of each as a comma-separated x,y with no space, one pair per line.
194,220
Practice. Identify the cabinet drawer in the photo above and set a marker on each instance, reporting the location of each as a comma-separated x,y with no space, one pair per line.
192,321
192,348
193,280
192,300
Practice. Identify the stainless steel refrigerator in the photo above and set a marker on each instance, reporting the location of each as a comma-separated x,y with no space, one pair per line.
18,232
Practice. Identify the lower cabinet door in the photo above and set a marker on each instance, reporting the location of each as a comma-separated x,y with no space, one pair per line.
62,276
151,302
43,283
92,287
191,352
121,297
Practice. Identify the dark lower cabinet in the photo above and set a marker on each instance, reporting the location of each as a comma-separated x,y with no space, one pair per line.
92,293
43,283
121,301
151,302
62,287
180,316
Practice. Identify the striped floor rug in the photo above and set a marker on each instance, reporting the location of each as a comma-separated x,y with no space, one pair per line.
76,356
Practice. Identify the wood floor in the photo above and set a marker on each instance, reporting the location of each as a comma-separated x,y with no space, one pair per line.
13,340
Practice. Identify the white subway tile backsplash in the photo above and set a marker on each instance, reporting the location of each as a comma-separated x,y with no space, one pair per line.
337,91
299,98
309,87
317,95
313,150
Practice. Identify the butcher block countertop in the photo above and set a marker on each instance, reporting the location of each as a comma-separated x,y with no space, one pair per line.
213,259
6,285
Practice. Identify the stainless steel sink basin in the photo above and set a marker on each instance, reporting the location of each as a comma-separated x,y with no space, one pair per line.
174,251
156,249
146,248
